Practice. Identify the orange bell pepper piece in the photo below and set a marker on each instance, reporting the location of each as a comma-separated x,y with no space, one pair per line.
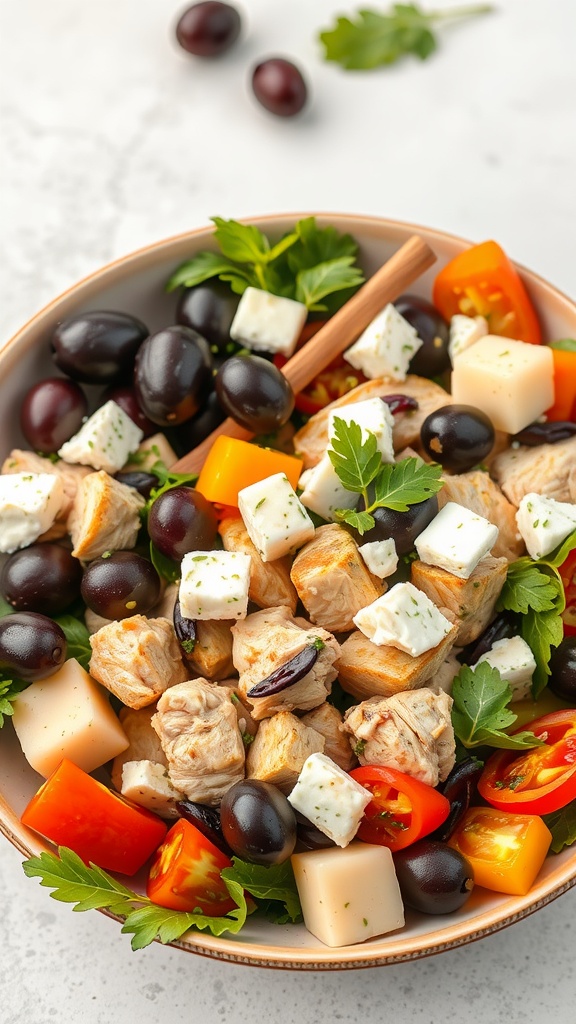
506,851
232,464
564,407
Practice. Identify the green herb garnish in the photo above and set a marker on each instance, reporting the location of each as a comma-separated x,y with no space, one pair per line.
481,713
274,884
77,639
9,690
562,825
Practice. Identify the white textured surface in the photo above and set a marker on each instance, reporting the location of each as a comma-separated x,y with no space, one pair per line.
111,139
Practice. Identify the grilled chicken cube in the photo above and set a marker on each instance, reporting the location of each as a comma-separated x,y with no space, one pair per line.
280,748
198,728
365,669
21,461
144,744
332,579
104,516
267,640
211,656
136,659
477,492
270,584
545,469
472,601
327,720
411,732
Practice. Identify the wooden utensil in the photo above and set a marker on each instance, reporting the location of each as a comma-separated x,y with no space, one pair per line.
411,260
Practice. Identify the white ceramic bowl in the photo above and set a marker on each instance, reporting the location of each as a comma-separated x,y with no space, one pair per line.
135,285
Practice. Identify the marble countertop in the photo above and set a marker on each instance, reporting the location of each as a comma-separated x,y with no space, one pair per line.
113,138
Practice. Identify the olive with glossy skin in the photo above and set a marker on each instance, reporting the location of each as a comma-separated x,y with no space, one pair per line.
459,437
562,680
125,396
182,520
402,527
173,375
142,482
31,645
433,878
209,308
51,412
432,359
254,393
41,578
208,29
258,823
119,585
279,86
98,347
191,433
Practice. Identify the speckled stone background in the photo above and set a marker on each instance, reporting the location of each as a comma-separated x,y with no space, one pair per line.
112,138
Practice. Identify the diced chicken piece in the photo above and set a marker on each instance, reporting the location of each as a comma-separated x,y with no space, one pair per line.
164,609
472,601
332,579
104,516
545,469
144,744
137,659
270,583
411,732
279,750
211,656
477,492
268,639
311,441
198,728
152,449
147,783
365,669
22,461
327,720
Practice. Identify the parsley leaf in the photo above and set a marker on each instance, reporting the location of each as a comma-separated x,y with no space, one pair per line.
406,483
78,639
371,39
481,713
274,883
535,591
9,690
527,587
561,554
562,825
315,283
356,462
204,266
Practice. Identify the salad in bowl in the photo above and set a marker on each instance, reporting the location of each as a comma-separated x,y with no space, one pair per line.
288,674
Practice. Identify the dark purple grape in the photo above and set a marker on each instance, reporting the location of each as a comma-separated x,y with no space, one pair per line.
209,308
258,823
98,347
433,878
125,396
402,527
119,585
208,29
31,645
432,359
182,520
254,393
400,403
173,375
278,86
562,681
142,482
41,578
51,412
458,437
195,430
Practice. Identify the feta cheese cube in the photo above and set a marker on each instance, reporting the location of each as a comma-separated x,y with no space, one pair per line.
268,323
348,896
464,332
456,540
380,557
544,523
515,662
404,618
105,441
214,585
329,798
386,347
323,492
29,504
147,783
274,517
511,381
374,417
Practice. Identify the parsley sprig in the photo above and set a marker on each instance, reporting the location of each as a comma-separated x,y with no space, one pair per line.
359,466
480,713
371,39
562,824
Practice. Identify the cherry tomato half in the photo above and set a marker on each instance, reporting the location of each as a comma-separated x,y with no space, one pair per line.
402,809
185,873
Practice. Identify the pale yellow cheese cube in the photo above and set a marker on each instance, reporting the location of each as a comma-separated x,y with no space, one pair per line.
349,895
67,715
511,381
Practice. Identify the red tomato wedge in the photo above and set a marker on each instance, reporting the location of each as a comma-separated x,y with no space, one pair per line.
402,809
185,874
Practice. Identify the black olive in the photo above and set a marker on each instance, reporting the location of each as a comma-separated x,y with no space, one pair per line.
182,520
458,788
51,412
258,822
98,347
41,578
206,820
433,878
209,308
31,645
173,375
142,482
562,681
254,393
432,359
458,437
120,585
403,527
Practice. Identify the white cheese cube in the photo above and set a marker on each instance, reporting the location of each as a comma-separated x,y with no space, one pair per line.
511,381
29,504
513,659
544,523
386,347
274,517
404,618
456,540
380,557
374,417
329,798
214,585
323,492
464,332
147,783
105,441
67,716
268,323
348,896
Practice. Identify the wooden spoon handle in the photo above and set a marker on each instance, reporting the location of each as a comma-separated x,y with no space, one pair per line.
411,260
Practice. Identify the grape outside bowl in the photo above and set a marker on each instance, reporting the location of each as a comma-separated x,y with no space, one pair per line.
135,284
